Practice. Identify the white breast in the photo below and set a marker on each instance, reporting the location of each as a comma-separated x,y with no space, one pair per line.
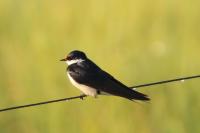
85,89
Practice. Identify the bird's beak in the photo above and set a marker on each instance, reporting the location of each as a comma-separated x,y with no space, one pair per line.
63,59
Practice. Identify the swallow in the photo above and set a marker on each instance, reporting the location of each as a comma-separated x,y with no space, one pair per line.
92,80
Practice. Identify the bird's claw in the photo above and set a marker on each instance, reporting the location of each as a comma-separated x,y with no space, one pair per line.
82,97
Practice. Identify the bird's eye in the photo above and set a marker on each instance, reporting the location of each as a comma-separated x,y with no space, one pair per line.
69,58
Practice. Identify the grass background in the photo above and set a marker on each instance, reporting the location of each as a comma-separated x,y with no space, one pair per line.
136,41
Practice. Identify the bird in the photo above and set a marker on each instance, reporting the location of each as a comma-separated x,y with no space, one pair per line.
91,80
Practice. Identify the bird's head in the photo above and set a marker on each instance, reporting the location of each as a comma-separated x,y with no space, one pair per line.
75,57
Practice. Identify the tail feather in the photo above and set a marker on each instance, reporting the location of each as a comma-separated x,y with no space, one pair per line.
135,95
139,96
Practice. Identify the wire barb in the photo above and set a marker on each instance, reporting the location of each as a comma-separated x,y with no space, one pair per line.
83,95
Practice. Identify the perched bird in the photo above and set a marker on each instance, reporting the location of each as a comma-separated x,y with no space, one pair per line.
92,80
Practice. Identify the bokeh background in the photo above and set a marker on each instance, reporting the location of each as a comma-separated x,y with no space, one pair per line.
137,41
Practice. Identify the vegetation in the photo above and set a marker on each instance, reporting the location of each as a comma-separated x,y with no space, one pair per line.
136,41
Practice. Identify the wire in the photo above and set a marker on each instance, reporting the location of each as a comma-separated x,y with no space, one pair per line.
41,103
82,96
165,81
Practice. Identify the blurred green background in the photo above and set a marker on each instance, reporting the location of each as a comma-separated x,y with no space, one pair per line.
137,41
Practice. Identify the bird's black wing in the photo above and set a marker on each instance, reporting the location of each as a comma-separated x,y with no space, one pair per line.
90,74
115,87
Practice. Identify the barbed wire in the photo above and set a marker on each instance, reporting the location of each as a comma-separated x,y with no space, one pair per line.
42,103
82,96
182,79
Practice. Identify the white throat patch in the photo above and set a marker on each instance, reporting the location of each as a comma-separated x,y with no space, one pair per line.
70,62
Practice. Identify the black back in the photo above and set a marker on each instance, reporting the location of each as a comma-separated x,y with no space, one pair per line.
88,73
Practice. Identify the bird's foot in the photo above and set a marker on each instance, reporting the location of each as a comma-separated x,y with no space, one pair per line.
82,96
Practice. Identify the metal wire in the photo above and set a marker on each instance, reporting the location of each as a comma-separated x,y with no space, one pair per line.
82,96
